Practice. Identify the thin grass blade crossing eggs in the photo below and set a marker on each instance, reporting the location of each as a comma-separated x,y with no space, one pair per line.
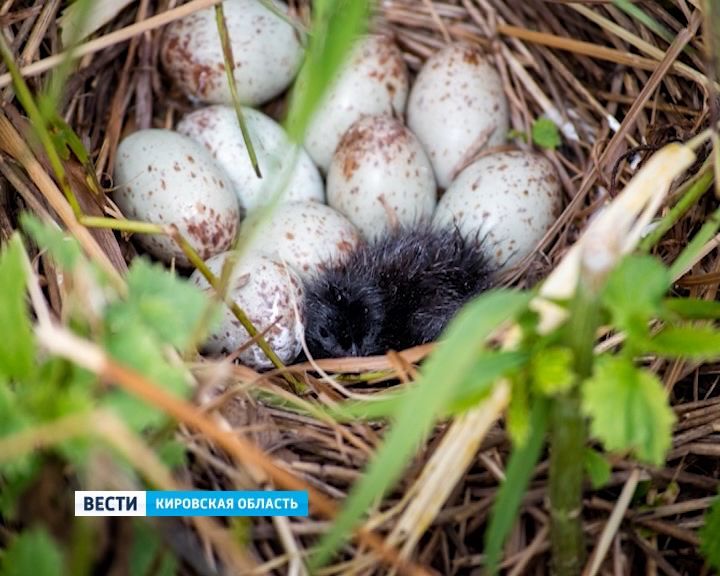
265,48
269,293
380,176
374,82
216,128
457,108
163,177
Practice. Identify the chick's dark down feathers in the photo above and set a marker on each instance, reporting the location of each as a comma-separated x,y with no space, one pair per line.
393,293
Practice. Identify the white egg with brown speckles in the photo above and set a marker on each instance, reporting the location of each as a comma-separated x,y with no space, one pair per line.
265,48
380,176
457,107
305,235
269,294
163,177
373,82
217,128
506,200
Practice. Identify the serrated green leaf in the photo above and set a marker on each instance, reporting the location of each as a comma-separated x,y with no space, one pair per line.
552,370
695,342
517,477
545,134
32,552
710,535
628,409
597,468
63,248
442,375
17,346
137,348
168,307
633,292
691,308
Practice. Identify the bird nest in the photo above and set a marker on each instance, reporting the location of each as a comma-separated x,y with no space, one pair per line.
617,86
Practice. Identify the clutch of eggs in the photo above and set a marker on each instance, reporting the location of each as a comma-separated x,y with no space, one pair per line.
380,171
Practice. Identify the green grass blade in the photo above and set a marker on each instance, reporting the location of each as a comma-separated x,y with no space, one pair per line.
17,348
336,26
687,256
446,370
693,308
517,477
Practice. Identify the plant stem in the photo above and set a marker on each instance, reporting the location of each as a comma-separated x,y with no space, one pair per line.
567,443
568,435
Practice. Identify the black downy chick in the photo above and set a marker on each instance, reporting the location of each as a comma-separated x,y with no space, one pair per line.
396,292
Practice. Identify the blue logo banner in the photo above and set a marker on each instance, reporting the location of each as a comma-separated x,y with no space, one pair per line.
230,503
191,503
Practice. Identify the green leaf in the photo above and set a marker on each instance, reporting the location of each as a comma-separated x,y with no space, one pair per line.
148,554
518,473
489,367
137,348
63,248
545,134
32,552
513,133
691,308
689,254
628,409
633,292
442,375
17,346
518,414
552,370
710,535
172,453
597,468
167,306
336,26
696,342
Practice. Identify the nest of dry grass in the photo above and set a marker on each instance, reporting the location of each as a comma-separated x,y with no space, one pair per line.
617,89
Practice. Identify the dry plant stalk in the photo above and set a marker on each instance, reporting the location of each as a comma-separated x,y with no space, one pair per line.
611,235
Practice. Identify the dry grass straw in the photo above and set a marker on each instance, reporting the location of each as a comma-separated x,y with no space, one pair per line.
617,91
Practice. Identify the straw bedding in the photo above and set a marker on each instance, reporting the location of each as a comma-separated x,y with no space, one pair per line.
616,88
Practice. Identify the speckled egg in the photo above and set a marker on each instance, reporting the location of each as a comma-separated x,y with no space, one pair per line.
265,48
373,82
306,235
216,127
380,176
269,293
457,107
166,178
507,200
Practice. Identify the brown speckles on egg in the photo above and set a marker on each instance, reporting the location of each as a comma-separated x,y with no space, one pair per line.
304,234
457,105
517,200
374,83
192,55
268,297
272,146
380,173
166,194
